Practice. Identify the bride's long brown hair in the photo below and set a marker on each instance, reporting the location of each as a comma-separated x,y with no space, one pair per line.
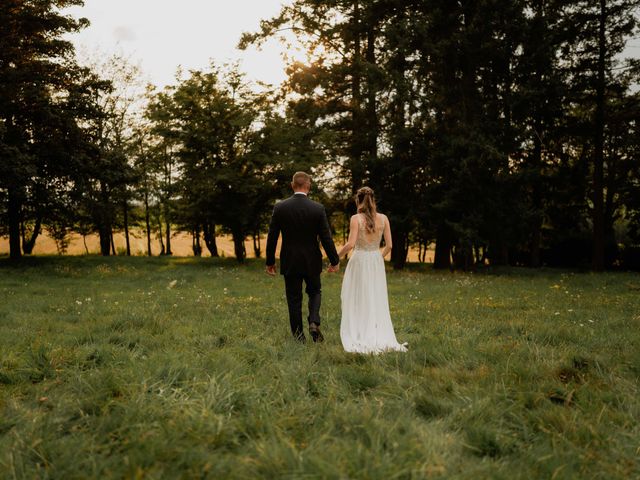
366,203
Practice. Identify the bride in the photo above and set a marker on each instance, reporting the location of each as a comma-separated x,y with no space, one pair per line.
366,323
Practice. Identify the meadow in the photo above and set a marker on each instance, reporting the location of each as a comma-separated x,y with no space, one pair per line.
184,368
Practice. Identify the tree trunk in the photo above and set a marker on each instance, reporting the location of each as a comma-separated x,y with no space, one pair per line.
168,234
84,241
14,212
536,240
160,238
478,257
147,221
126,227
536,234
345,226
256,245
611,250
29,244
238,246
463,256
371,106
442,256
105,239
598,157
535,260
104,229
400,248
113,243
209,233
195,244
356,166
499,254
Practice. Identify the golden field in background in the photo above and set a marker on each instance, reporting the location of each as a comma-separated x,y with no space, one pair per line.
180,246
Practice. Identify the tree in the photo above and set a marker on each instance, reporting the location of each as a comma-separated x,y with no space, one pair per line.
164,131
539,113
109,175
37,72
211,121
341,83
145,173
599,31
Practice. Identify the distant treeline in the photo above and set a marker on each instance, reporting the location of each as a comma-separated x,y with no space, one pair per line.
503,131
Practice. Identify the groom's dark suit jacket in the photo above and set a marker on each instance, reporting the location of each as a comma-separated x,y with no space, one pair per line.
301,221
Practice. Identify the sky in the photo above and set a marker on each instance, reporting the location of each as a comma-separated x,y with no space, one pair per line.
161,35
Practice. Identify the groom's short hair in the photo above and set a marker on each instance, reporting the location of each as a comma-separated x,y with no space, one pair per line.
301,180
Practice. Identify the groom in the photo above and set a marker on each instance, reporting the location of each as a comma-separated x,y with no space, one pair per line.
302,222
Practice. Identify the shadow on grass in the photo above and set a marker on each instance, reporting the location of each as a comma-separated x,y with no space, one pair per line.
492,270
43,261
87,262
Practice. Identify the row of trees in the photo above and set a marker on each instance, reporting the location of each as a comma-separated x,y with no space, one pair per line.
503,131
500,129
89,149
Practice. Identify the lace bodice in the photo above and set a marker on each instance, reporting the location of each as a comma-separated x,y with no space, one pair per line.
369,241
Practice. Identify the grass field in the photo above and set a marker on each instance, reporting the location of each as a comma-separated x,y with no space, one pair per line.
166,368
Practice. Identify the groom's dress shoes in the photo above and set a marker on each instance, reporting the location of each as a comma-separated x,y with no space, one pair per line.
316,334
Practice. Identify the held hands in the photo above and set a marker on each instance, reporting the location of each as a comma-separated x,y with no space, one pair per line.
271,269
333,268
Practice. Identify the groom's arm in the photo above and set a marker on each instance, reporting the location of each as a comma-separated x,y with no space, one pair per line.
327,240
272,239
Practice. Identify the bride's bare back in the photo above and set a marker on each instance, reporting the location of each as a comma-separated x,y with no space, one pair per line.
369,241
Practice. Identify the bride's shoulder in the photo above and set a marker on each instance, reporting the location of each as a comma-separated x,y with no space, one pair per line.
356,220
383,218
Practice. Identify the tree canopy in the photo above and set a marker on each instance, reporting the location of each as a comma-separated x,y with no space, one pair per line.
498,132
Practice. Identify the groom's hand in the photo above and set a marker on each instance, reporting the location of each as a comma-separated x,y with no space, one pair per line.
271,270
333,268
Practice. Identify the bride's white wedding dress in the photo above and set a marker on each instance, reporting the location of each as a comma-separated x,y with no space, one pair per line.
366,323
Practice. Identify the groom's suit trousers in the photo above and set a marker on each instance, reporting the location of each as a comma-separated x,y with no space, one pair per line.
293,286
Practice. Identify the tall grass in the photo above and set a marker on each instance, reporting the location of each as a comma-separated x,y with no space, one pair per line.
165,368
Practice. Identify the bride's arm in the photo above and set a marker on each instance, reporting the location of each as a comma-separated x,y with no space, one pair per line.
353,236
388,244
